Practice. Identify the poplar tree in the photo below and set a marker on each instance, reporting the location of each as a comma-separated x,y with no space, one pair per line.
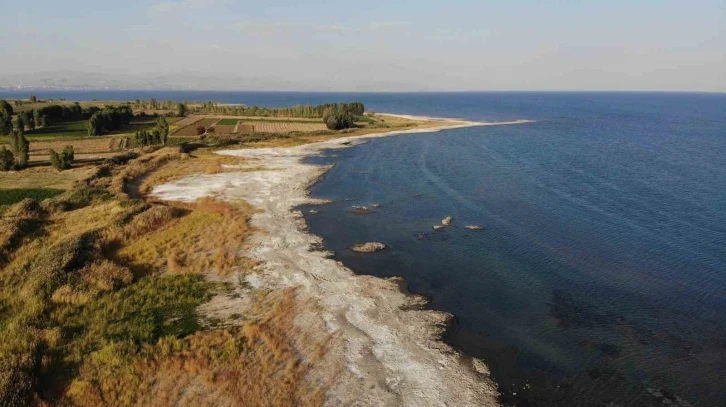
162,127
20,147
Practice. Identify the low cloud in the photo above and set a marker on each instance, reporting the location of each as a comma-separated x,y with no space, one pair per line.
166,6
383,25
271,27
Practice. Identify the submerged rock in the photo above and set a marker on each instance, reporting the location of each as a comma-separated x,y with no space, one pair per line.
313,211
421,236
361,211
447,220
374,205
368,247
474,227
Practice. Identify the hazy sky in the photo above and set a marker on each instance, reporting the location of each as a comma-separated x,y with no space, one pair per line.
380,45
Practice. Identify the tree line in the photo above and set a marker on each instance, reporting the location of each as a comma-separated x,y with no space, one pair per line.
108,119
156,136
42,116
300,111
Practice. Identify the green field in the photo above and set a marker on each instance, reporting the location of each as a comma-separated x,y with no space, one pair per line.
227,122
12,196
72,129
77,128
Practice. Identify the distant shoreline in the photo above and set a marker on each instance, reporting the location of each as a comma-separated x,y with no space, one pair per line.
363,310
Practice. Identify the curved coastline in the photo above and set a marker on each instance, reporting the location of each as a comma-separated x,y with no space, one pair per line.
391,349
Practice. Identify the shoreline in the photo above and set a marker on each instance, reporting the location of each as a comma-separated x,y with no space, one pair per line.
391,348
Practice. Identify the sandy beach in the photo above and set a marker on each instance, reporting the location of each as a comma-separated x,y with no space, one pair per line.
385,350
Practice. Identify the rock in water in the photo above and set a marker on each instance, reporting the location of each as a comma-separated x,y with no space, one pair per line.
368,247
447,221
438,227
474,227
313,211
361,211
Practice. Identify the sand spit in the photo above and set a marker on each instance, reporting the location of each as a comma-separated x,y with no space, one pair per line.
387,351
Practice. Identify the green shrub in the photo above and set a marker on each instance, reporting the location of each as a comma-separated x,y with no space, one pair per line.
64,160
7,159
13,196
21,148
336,119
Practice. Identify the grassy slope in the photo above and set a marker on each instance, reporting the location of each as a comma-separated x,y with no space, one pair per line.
110,289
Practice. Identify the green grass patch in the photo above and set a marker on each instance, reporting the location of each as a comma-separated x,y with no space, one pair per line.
72,129
228,122
77,129
13,196
142,312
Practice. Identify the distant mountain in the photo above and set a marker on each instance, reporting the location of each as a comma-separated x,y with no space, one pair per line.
178,81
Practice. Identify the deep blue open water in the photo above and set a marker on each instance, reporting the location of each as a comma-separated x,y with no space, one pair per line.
601,276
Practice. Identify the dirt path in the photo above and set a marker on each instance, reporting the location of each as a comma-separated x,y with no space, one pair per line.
386,351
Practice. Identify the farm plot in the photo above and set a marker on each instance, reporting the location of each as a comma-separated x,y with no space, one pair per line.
228,122
224,129
188,121
82,146
191,129
283,127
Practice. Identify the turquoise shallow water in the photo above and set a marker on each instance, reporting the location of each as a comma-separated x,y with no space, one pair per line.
601,275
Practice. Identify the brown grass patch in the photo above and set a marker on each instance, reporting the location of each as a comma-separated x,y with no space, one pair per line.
122,182
208,239
44,177
80,146
263,363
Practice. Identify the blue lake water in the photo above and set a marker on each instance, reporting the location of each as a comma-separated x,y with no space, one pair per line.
601,275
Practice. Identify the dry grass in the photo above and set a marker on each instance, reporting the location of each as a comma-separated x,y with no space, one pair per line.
121,182
208,239
203,161
260,364
80,146
44,177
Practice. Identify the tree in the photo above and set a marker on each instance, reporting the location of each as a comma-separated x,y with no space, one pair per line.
20,147
20,122
162,127
6,107
201,130
181,110
62,161
109,119
7,161
37,118
6,123
337,119
27,119
33,99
